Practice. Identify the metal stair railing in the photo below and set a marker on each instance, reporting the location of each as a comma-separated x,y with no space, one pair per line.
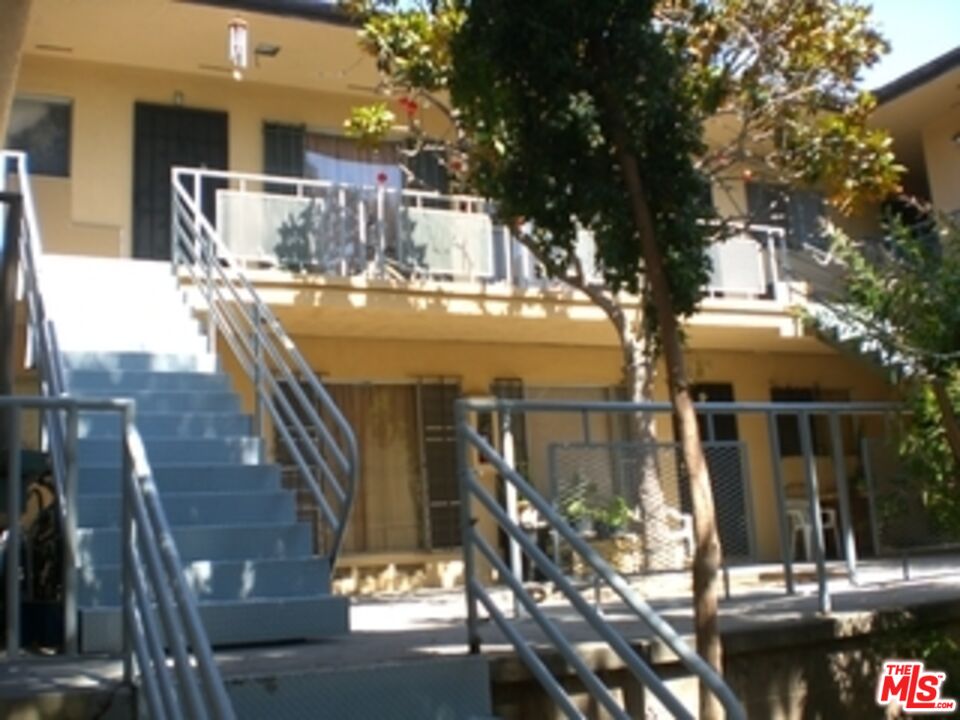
153,583
43,352
468,438
285,387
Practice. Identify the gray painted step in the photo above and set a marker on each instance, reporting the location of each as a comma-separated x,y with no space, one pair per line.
195,508
152,401
177,451
229,580
452,688
231,623
154,362
103,382
186,344
174,478
194,425
101,546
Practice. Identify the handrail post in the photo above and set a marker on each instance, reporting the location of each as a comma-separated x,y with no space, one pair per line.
843,499
257,370
509,457
13,540
786,540
816,519
8,284
466,527
70,546
127,540
382,232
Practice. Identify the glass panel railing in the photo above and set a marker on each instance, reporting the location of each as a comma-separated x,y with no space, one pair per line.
316,227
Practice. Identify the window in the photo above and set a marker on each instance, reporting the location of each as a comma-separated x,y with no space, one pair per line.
294,151
798,211
788,426
41,128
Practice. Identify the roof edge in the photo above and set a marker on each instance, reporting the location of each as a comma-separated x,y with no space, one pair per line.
918,76
328,12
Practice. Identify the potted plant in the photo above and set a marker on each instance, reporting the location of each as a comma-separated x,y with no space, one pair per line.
610,520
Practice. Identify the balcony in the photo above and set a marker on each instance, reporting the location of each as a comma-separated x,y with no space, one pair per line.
321,229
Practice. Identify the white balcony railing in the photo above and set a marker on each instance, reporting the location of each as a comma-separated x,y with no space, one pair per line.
352,231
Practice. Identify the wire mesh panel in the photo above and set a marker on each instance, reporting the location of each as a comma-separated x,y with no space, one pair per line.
902,516
638,494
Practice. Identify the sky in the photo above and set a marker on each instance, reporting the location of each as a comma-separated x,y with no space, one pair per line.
918,30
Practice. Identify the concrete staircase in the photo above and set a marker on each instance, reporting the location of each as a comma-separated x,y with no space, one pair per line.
125,331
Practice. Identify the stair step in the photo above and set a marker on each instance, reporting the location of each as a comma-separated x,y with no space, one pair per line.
103,382
154,362
168,425
231,623
227,580
185,342
154,401
184,478
101,546
196,508
166,451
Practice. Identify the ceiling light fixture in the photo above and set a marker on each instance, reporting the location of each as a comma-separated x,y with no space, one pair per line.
237,47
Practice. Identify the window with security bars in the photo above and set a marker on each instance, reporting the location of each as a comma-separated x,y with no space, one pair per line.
438,439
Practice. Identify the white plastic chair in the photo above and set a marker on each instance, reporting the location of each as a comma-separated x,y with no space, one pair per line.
798,517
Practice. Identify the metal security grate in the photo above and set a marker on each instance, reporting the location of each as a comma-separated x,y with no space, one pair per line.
595,485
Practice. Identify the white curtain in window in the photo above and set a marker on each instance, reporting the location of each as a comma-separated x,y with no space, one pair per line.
351,172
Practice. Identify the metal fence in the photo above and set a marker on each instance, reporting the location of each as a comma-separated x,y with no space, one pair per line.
808,495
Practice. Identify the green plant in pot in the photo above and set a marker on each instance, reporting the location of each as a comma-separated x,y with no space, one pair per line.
610,520
578,509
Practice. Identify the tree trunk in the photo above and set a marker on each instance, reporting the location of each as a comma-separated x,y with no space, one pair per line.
706,560
639,374
13,30
949,417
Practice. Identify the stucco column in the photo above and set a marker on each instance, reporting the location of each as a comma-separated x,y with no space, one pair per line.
13,29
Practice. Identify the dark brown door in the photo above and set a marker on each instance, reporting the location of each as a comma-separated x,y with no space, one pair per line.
165,136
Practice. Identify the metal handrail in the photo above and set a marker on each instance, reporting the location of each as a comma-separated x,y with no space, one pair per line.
471,489
156,601
43,352
151,565
285,386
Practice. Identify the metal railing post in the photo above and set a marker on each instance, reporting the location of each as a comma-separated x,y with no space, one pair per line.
843,497
509,457
127,540
70,545
14,503
786,539
816,519
257,370
867,462
466,526
382,232
9,263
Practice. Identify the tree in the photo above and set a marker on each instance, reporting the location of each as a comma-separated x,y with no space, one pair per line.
594,115
13,31
900,296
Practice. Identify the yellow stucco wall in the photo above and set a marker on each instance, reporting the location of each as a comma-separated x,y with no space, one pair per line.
90,213
942,156
586,372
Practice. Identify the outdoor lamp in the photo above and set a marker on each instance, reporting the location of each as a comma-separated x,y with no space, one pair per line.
237,49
